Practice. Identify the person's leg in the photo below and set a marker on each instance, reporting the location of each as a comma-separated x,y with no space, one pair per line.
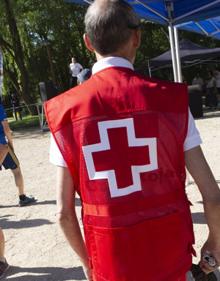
215,100
19,181
3,263
74,81
20,114
11,162
207,98
2,246
15,113
3,152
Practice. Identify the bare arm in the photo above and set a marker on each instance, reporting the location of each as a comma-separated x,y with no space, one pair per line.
200,171
7,132
67,216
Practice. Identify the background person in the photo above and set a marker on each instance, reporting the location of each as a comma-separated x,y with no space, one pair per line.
3,152
211,98
217,78
75,69
16,106
11,162
3,262
84,75
130,219
197,80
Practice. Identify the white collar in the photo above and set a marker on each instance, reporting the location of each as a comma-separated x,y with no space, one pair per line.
111,62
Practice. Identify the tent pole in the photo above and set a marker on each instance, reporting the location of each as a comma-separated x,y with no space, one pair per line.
173,54
178,60
149,68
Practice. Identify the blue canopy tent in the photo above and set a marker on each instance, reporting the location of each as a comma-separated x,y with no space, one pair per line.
174,13
209,27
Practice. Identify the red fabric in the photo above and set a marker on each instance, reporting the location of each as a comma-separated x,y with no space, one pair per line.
145,234
182,278
124,253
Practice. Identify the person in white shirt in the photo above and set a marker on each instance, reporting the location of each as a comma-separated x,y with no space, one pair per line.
75,69
217,78
211,98
197,80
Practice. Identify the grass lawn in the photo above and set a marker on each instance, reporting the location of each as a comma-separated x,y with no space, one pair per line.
26,122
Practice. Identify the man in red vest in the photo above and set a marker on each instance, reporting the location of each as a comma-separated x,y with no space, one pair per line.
122,141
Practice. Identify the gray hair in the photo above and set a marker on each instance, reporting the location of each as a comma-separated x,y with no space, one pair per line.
109,24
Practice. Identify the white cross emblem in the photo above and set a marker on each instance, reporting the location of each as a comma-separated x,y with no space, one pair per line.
104,145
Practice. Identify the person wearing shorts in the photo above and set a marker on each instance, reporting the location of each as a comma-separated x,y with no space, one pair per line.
11,161
3,262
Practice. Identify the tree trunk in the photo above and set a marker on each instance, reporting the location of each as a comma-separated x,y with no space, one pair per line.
18,52
13,79
52,72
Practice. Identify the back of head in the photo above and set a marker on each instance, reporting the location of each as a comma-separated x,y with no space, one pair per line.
109,25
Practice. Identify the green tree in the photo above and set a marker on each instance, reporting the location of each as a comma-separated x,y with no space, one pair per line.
38,39
16,51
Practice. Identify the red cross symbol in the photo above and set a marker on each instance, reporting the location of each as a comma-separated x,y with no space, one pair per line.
120,156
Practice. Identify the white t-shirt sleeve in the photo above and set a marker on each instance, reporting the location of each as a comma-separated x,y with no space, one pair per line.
193,138
56,157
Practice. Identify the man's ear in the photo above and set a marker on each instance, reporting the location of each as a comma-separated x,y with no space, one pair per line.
137,38
88,43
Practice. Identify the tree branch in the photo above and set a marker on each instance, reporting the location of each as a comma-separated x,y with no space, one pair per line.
5,45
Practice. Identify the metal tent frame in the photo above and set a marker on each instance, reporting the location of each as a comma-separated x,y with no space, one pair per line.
173,26
187,14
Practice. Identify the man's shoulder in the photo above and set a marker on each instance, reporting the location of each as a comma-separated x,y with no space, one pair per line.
71,97
161,84
60,109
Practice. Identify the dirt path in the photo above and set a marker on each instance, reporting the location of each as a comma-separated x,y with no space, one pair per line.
34,244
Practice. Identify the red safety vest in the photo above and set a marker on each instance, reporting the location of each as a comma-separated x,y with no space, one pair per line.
122,137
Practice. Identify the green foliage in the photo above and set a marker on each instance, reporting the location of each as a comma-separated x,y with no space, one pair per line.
26,122
50,33
154,42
